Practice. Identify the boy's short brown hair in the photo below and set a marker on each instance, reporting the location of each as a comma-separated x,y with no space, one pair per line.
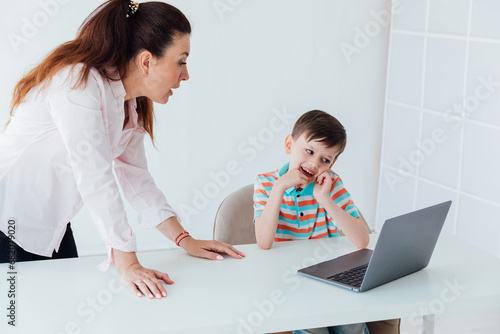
322,127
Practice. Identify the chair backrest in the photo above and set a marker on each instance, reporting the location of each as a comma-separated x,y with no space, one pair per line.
234,218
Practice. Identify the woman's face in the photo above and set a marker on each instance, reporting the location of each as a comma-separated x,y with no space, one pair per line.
167,72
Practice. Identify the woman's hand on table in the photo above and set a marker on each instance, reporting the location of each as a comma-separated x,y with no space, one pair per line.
209,249
146,282
140,281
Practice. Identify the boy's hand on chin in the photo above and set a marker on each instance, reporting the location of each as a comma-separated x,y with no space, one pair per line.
322,187
293,178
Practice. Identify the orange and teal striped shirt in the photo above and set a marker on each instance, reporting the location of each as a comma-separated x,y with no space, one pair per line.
301,216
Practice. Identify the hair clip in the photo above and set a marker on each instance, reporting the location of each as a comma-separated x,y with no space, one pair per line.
133,6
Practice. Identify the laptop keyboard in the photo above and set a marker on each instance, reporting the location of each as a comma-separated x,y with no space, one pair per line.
353,277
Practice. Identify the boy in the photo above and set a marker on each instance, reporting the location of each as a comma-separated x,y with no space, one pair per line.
305,199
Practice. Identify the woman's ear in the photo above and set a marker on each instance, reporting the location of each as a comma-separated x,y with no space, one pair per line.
288,144
144,62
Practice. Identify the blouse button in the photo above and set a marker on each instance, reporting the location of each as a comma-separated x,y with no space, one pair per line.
301,214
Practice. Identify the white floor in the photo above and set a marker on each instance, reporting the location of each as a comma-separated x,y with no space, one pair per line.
479,322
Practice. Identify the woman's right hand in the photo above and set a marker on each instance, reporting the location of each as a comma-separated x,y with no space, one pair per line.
141,281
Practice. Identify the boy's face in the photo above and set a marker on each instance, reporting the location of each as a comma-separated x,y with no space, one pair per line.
312,158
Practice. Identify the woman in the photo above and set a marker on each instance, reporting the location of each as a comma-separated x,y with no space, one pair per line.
85,106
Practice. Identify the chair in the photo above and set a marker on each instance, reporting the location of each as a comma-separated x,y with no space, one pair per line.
234,225
233,220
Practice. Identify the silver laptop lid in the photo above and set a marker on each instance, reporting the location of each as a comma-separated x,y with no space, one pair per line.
405,245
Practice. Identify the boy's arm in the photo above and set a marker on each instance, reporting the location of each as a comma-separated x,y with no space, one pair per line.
267,224
354,228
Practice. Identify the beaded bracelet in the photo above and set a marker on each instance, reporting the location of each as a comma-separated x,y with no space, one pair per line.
177,237
178,242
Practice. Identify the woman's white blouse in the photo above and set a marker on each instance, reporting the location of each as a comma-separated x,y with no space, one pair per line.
57,155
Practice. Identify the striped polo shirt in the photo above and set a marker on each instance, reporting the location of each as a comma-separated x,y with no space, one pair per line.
301,216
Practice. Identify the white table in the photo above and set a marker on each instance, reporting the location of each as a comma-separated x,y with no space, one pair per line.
261,293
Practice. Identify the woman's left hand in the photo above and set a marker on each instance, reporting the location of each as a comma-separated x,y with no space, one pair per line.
209,249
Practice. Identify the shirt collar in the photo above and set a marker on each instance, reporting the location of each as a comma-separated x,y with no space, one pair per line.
132,112
117,88
116,83
119,92
307,191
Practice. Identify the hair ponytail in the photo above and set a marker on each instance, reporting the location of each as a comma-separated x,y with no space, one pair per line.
107,40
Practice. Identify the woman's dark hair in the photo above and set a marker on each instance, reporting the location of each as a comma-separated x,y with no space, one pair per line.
320,126
107,40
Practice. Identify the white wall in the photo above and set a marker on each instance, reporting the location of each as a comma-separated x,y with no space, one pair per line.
250,61
442,117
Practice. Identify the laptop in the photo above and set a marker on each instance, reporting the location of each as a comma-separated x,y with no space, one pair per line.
404,246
